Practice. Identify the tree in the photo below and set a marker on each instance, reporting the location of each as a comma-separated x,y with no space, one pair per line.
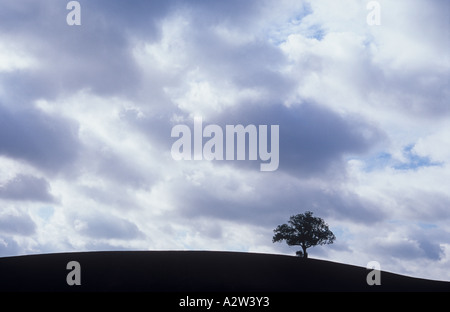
305,231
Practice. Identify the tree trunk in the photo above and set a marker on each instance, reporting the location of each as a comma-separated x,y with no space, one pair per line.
305,254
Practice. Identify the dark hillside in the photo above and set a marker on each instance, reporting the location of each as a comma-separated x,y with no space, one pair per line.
181,271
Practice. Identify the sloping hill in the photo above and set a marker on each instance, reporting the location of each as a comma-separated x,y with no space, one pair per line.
181,271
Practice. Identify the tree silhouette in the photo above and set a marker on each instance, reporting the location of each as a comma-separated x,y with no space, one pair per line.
304,230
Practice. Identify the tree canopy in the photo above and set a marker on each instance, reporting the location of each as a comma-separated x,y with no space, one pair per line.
304,230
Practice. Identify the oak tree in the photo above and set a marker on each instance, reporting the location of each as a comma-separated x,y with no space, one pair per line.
304,230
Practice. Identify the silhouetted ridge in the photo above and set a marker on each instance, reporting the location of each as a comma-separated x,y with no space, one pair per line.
180,271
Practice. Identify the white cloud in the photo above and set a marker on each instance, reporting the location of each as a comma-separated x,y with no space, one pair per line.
15,56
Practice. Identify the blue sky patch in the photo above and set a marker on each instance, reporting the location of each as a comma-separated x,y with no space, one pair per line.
414,161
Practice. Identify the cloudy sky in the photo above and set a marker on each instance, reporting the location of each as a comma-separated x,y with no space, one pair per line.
86,114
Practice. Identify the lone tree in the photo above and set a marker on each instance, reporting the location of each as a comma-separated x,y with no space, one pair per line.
304,230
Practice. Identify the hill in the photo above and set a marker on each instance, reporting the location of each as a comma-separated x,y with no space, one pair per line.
195,271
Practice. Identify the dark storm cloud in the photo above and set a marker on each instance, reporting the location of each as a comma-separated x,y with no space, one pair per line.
27,187
44,141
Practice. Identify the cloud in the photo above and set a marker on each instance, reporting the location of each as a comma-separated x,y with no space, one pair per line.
412,241
106,227
251,199
9,247
44,141
313,139
361,65
432,250
414,161
25,187
70,59
17,224
86,114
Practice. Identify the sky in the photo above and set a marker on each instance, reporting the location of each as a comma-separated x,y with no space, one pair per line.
86,113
